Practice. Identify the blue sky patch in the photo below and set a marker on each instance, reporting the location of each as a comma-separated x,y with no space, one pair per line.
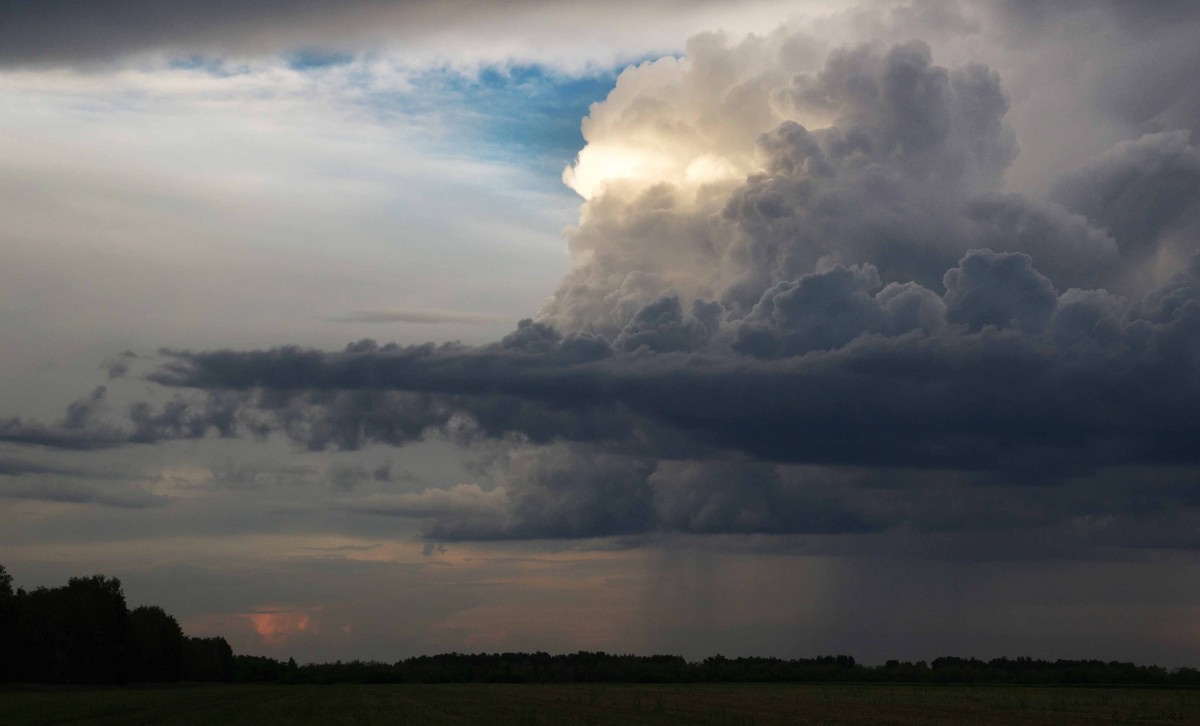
219,67
524,115
527,115
304,60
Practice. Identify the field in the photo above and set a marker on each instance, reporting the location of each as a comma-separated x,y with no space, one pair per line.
498,705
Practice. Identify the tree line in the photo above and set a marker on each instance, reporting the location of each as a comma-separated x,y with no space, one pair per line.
598,667
83,632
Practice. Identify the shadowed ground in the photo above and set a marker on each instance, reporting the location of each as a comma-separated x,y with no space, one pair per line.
496,705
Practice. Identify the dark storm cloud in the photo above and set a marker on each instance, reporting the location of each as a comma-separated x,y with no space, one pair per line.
1146,74
707,497
827,310
1000,290
73,32
69,31
874,303
90,424
906,177
1142,191
83,412
566,491
571,491
118,366
1014,366
555,492
866,333
32,433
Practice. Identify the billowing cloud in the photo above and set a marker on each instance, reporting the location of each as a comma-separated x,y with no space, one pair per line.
1146,194
875,157
802,302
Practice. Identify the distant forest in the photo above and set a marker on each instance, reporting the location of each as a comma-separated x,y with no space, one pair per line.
83,632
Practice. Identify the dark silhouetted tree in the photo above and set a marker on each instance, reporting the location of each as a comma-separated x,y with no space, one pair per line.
74,634
8,632
157,645
207,659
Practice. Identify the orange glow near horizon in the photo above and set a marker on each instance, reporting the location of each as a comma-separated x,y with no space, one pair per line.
277,627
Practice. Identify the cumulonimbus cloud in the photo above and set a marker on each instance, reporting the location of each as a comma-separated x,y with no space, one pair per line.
782,264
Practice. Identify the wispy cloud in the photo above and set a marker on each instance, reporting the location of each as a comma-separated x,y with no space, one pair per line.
418,315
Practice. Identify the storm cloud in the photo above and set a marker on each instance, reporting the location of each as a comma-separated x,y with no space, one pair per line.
78,33
802,298
873,327
797,269
64,31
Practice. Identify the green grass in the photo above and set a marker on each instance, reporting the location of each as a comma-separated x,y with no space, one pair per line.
530,705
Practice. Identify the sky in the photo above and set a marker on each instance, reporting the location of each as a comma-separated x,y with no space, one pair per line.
373,329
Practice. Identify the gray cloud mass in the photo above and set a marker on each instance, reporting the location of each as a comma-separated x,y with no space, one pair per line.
78,32
804,303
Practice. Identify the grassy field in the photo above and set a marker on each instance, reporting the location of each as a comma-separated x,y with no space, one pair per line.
497,705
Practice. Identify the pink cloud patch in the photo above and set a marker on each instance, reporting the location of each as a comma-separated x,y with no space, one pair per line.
280,626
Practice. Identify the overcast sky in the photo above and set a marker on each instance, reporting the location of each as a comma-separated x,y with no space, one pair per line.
372,329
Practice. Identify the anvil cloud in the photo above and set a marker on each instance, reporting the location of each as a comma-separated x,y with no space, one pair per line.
861,293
